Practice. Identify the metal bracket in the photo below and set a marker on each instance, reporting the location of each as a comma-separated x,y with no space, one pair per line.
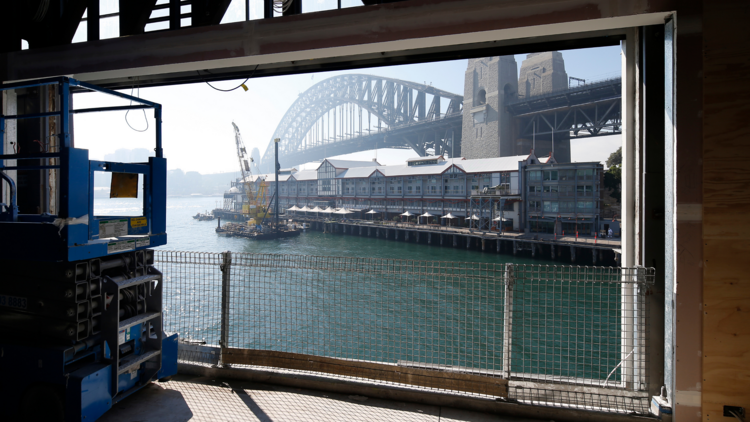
12,209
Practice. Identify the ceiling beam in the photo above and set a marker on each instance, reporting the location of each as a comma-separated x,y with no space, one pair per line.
411,31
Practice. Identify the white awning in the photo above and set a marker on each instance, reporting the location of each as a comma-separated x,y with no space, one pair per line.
343,211
449,215
426,214
328,210
316,209
407,214
294,208
473,217
305,209
372,212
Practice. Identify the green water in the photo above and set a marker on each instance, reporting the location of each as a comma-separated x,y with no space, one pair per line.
385,311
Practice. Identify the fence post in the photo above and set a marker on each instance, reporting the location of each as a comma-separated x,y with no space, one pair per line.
510,279
226,271
628,322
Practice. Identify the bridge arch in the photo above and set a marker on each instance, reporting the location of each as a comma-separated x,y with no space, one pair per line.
328,118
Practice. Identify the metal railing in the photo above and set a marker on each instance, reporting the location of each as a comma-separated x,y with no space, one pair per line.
554,335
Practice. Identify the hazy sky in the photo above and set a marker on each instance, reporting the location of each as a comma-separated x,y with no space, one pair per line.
197,120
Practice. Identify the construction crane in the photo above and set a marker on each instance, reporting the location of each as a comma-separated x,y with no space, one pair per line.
254,209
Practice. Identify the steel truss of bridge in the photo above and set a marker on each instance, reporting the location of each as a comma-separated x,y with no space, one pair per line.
589,110
357,112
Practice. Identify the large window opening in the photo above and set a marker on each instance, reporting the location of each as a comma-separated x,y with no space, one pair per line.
570,192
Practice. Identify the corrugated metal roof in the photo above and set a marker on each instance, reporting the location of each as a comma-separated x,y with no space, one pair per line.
482,165
491,165
347,164
431,157
270,177
306,175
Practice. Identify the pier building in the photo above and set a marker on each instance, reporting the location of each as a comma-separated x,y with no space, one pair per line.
521,193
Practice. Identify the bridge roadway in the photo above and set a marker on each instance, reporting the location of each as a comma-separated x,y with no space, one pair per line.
586,248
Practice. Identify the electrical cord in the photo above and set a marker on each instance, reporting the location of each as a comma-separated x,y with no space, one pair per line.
144,112
738,417
228,90
618,365
281,6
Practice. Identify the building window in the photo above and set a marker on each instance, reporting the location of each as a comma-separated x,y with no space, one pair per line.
550,175
550,189
535,176
567,206
585,174
585,190
551,206
585,206
567,174
481,97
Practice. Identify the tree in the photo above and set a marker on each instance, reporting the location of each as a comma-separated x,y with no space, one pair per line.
613,180
615,159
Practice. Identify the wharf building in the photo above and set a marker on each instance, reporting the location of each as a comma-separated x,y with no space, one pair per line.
521,193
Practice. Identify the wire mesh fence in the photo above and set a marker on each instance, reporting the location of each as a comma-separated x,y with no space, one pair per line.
555,335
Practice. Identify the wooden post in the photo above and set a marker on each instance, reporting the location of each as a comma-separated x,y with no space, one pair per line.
515,250
533,250
552,251
482,244
455,241
593,255
429,238
572,254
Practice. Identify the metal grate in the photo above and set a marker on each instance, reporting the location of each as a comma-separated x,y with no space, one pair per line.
192,297
561,335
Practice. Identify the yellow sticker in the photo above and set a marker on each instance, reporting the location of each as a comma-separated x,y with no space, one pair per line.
138,222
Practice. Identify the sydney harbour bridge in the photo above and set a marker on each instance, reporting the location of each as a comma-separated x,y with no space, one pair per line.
358,112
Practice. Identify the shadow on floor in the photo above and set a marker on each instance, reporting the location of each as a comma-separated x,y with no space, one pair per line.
188,398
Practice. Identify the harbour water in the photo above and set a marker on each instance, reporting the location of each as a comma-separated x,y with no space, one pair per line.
560,326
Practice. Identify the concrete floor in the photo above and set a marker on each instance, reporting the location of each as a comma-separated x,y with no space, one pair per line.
189,398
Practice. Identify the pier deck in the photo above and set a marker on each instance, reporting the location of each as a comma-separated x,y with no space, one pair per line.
572,248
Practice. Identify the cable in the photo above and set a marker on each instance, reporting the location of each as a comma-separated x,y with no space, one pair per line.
738,417
42,148
229,90
144,111
618,365
281,6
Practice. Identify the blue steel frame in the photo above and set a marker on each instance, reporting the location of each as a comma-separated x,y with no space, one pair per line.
35,237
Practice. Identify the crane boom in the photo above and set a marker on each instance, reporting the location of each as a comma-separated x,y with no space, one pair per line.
244,166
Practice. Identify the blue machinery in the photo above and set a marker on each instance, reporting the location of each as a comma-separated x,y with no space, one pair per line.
80,299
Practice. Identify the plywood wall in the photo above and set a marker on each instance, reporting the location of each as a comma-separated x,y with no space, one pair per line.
726,207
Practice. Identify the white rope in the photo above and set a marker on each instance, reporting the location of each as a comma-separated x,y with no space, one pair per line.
618,365
281,6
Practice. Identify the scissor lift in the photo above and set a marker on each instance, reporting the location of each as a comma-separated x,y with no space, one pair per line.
80,298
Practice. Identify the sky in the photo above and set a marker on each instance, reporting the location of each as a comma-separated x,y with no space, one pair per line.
197,120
